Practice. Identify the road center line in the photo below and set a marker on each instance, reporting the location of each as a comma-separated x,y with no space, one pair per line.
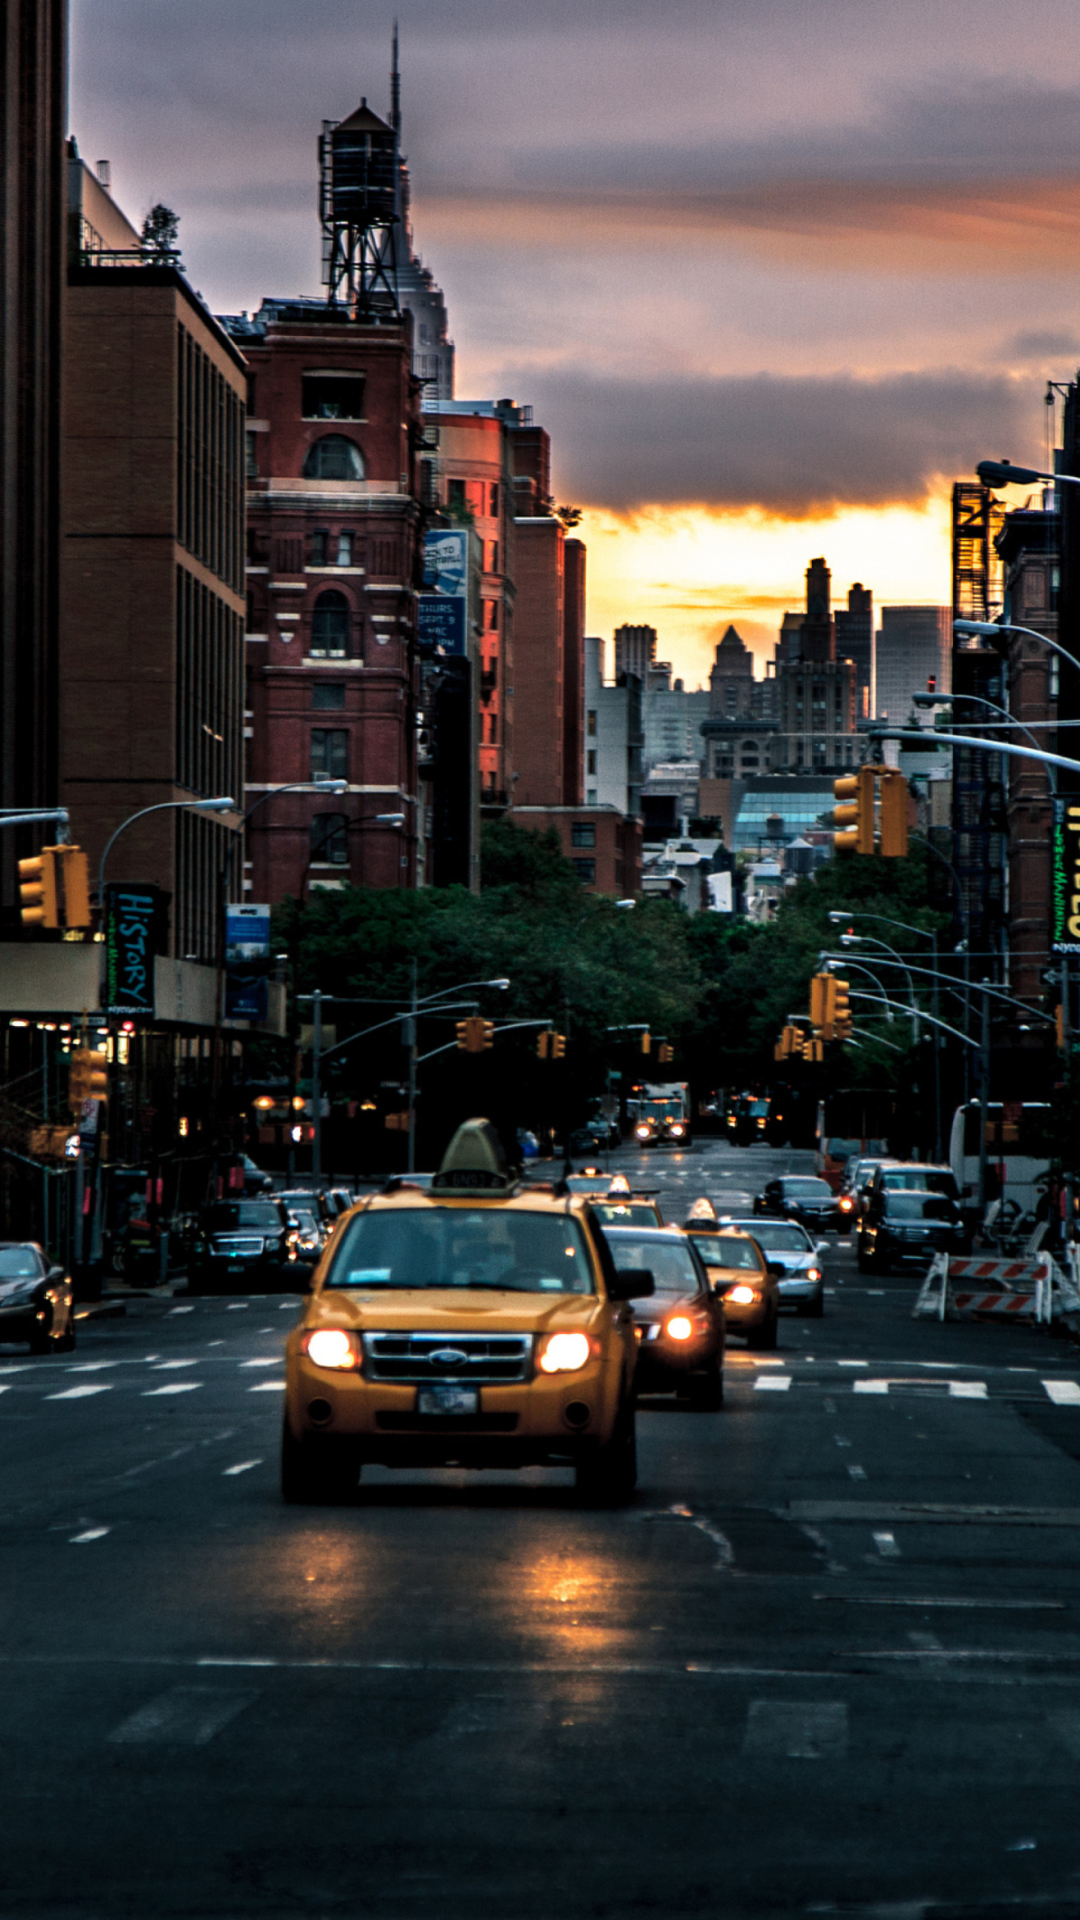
242,1466
1063,1393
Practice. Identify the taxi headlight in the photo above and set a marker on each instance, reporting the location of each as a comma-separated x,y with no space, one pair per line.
333,1347
564,1352
679,1327
742,1296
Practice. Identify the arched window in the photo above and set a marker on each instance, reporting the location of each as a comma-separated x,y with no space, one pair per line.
329,840
333,458
330,626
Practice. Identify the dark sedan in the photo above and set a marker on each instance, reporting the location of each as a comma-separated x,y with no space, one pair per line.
908,1226
799,1196
680,1325
37,1301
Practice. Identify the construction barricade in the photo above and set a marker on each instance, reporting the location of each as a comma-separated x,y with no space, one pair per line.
970,1287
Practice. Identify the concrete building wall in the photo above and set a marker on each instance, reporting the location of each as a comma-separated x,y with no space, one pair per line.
613,736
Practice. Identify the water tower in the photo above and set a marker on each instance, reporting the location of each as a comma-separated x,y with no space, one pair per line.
358,206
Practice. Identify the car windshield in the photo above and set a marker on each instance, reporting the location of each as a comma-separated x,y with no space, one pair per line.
466,1247
808,1189
229,1214
759,1108
726,1250
669,1261
626,1213
777,1236
919,1180
18,1263
919,1206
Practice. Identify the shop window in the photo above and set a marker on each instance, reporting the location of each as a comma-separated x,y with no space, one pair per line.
330,626
333,458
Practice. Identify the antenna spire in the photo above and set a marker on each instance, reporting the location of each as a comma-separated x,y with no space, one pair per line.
395,87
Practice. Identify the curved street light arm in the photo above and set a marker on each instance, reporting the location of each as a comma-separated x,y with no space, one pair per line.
857,994
991,746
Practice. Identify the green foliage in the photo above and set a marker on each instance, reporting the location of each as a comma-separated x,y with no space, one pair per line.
161,229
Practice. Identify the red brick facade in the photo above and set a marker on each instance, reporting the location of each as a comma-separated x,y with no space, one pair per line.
603,844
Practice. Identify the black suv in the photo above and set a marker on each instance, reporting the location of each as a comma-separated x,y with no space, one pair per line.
242,1242
905,1224
799,1196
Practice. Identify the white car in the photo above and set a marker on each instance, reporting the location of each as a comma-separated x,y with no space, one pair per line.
786,1244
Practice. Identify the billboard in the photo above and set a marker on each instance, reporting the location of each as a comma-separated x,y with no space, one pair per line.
1065,878
442,609
247,962
133,922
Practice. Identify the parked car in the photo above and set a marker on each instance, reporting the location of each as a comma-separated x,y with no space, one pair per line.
680,1326
744,1278
904,1224
243,1243
787,1245
799,1196
37,1300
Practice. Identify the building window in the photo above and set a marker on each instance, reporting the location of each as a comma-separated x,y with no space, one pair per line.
318,547
329,753
493,616
590,761
344,550
590,722
455,495
493,502
586,871
583,834
494,556
333,458
328,696
333,396
427,482
330,626
590,797
329,840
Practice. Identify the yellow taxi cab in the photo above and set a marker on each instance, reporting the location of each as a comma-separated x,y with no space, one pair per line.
739,1272
475,1323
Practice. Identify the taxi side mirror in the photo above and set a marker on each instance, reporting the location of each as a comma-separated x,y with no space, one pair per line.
631,1283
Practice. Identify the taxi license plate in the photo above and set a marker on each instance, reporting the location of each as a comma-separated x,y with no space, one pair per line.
448,1400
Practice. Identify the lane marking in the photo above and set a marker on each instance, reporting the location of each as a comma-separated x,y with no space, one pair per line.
82,1393
886,1546
797,1729
237,1306
853,1363
870,1386
857,1473
274,1361
242,1466
92,1533
182,1717
968,1604
23,1369
773,1383
90,1366
5,1389
268,1386
173,1310
177,1386
931,1513
1063,1393
967,1389
173,1366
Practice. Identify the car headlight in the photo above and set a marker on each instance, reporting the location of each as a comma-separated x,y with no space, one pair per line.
333,1347
564,1352
813,1273
679,1327
642,1132
845,1203
678,1130
741,1296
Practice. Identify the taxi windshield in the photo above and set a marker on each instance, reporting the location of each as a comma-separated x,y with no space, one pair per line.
626,1213
462,1247
726,1250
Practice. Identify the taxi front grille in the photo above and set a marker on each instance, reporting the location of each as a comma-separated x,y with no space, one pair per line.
420,1357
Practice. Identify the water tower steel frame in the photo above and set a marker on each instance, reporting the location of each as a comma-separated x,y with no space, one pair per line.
359,211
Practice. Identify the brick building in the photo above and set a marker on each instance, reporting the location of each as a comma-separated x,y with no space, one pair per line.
333,523
152,566
604,846
1028,547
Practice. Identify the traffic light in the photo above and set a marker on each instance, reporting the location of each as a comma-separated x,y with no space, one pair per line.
665,1053
894,815
646,1043
74,868
854,817
474,1034
813,1049
819,996
543,1042
39,890
1059,1027
790,1041
841,1009
558,1045
88,1077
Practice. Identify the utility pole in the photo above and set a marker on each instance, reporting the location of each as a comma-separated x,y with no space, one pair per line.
938,1147
984,1098
316,1084
409,1037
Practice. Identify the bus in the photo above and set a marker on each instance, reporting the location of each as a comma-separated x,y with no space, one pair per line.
1017,1163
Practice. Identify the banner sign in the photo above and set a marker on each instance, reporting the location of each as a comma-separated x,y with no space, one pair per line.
440,624
247,962
441,615
133,916
1065,878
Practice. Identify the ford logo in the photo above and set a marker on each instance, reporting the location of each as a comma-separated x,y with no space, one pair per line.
447,1357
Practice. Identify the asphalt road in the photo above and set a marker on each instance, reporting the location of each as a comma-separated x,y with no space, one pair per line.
828,1661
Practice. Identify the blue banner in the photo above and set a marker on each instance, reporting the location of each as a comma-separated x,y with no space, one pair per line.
247,962
440,624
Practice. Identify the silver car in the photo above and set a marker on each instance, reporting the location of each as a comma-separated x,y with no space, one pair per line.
786,1244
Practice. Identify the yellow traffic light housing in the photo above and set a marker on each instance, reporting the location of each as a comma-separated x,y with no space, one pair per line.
463,1036
558,1045
543,1043
894,815
854,816
820,987
74,866
474,1034
39,890
665,1053
646,1043
841,1009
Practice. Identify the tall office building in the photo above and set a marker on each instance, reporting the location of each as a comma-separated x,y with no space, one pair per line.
855,641
913,646
635,651
815,691
32,265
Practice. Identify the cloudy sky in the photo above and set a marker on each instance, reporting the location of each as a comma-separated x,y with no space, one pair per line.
773,272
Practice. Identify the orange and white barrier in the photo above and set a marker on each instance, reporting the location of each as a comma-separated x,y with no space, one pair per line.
966,1287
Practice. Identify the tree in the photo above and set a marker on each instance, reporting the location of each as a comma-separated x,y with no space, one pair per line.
161,229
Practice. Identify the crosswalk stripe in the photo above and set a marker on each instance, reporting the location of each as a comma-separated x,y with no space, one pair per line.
1063,1393
82,1393
177,1386
182,1717
773,1383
